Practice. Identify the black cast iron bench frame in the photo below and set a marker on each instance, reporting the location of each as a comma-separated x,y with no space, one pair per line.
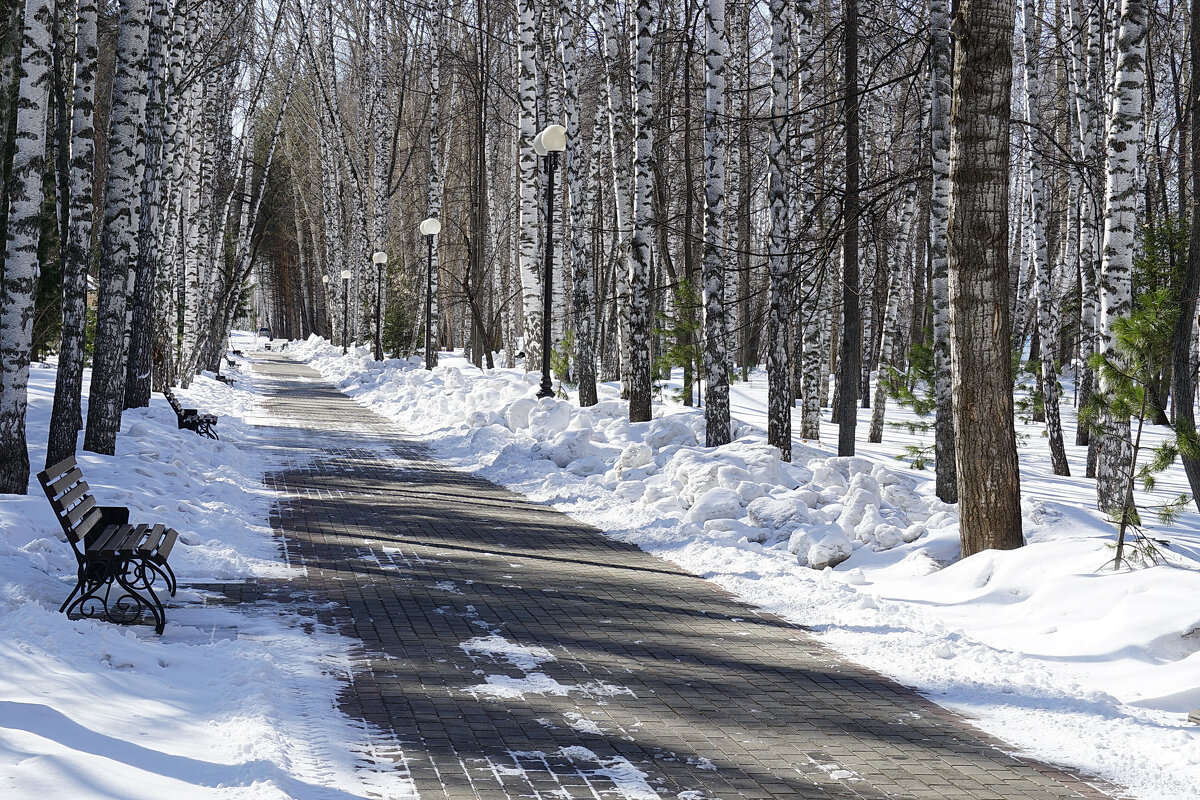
119,563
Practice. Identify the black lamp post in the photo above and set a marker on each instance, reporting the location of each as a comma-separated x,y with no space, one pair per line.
328,319
345,309
549,143
429,228
380,259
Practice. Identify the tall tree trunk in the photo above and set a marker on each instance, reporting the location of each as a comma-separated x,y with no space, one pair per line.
66,419
779,394
531,281
118,242
20,277
582,305
641,312
1113,475
808,350
989,487
435,188
716,352
946,479
899,278
1184,386
1041,267
141,332
850,357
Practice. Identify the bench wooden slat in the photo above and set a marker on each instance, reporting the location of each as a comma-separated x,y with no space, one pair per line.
109,535
153,539
70,498
61,485
132,539
56,471
79,532
170,535
71,518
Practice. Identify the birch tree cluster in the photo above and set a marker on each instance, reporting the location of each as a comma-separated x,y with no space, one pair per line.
866,201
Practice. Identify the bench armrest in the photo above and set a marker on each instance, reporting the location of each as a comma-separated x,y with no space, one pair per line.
114,515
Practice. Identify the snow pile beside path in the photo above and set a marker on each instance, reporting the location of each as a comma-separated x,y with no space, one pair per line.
229,701
823,511
1041,646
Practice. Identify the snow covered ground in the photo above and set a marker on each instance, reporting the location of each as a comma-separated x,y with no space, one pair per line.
228,703
1044,647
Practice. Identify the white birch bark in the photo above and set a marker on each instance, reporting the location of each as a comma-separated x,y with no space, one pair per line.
20,249
66,418
946,479
779,397
1113,470
620,140
808,354
1040,253
527,165
435,179
899,277
118,242
716,351
578,199
640,302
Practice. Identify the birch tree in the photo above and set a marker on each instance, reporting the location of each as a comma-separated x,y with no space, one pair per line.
640,306
716,352
779,397
809,353
531,281
66,419
1042,267
1125,127
434,207
946,479
20,275
118,241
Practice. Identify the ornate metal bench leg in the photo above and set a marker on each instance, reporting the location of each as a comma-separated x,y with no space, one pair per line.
142,581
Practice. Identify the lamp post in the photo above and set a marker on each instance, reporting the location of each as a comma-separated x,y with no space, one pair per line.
328,320
345,309
549,143
429,228
380,259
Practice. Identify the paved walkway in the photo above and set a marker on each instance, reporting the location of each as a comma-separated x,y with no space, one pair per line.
513,652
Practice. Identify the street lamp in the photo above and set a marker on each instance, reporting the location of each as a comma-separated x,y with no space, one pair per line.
549,143
429,228
325,283
345,308
380,259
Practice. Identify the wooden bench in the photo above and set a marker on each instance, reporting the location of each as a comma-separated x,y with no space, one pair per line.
119,562
190,418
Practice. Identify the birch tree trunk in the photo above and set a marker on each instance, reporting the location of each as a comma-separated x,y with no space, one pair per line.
989,488
141,333
779,396
66,419
716,351
620,140
118,241
531,280
640,305
809,354
25,197
1042,267
435,182
899,277
1113,476
582,305
946,479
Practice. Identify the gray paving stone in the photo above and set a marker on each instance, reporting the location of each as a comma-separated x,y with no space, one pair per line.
692,688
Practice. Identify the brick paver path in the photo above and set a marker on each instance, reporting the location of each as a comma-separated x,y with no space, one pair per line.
514,652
